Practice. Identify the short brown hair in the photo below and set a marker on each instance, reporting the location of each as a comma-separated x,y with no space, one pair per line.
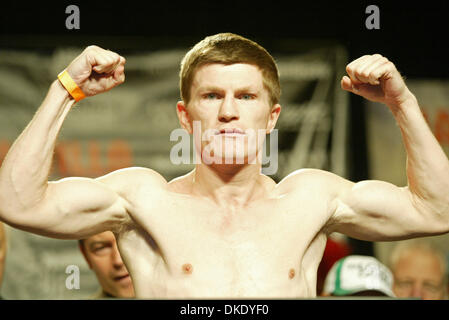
229,48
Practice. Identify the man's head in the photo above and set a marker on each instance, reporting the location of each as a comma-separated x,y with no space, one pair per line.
230,86
102,256
419,270
227,49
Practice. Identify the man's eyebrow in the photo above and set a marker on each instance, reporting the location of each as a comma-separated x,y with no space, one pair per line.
209,88
218,89
247,89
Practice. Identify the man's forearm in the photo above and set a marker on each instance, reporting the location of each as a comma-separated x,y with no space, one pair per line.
427,164
26,167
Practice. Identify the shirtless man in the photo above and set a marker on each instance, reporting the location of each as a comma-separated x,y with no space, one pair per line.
224,230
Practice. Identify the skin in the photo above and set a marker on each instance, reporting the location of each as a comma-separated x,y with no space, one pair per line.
419,274
225,230
102,256
238,101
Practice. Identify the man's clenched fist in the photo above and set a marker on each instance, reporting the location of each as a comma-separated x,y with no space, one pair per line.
97,70
376,78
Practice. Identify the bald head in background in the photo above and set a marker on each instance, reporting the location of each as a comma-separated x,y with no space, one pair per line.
420,271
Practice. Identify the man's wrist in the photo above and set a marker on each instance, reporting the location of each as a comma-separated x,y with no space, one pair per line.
60,89
407,108
407,101
70,85
58,92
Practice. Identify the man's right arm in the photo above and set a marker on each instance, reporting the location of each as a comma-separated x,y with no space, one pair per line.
71,207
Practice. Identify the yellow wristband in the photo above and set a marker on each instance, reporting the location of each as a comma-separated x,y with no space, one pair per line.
70,85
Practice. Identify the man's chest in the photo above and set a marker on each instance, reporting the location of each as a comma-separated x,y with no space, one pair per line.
193,237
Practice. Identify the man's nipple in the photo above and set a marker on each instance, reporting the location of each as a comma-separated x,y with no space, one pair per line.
291,273
187,268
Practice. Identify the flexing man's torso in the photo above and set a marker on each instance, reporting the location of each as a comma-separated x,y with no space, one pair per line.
177,245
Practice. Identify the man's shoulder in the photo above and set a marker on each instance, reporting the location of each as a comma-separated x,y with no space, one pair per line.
309,178
132,177
134,173
309,174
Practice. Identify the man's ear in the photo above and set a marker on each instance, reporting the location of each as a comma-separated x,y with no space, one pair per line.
83,251
274,116
183,116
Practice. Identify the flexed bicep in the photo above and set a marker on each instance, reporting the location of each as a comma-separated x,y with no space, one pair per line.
74,208
375,210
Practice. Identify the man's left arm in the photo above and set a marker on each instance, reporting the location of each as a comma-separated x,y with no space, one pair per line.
376,210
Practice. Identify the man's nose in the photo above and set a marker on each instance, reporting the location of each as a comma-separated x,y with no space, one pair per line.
228,110
417,291
116,258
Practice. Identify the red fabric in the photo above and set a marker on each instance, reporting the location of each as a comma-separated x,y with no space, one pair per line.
333,252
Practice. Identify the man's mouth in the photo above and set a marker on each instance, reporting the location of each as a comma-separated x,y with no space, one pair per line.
231,131
122,277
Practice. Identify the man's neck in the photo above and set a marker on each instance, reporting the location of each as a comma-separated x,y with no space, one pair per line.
230,185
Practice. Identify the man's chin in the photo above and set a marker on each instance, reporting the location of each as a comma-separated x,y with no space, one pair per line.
229,158
227,161
126,294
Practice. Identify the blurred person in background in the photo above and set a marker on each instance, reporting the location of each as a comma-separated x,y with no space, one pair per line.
356,275
102,256
2,254
420,270
337,247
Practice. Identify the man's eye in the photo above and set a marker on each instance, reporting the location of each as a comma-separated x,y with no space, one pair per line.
431,287
101,249
404,284
247,96
211,96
